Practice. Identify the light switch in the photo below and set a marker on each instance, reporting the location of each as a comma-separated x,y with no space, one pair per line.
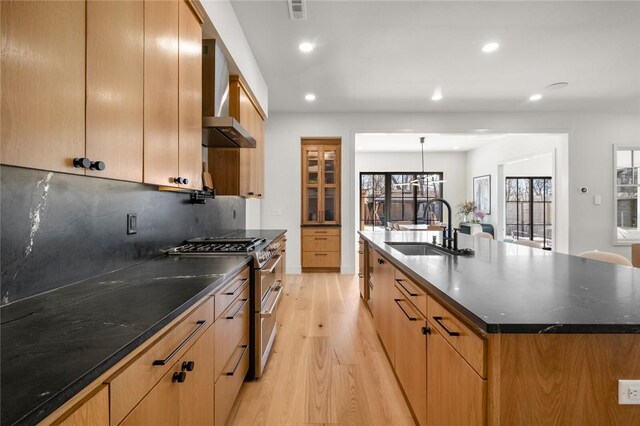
597,200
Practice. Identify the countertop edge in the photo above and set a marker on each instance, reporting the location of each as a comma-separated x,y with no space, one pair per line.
60,398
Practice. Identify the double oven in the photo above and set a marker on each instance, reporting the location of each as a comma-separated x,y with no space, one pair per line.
267,285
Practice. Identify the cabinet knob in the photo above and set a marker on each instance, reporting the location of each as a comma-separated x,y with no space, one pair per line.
81,162
251,193
426,330
188,365
179,377
259,195
181,180
98,165
380,261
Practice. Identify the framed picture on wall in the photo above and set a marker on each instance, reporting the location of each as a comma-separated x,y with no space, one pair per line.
482,193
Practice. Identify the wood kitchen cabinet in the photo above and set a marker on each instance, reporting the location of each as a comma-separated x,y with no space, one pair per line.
115,54
240,171
94,411
43,86
383,303
363,274
321,181
456,394
172,94
185,394
410,342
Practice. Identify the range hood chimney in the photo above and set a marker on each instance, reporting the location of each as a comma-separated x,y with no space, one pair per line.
218,129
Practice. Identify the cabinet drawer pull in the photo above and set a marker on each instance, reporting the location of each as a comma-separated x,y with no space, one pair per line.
320,238
403,311
233,292
319,232
439,321
321,254
269,312
173,353
231,373
399,281
244,302
272,268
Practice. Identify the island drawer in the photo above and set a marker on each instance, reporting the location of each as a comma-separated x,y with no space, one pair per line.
412,292
468,344
321,242
231,326
133,382
320,231
231,290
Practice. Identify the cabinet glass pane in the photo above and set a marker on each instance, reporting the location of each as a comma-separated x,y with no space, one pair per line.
312,203
329,204
313,170
330,167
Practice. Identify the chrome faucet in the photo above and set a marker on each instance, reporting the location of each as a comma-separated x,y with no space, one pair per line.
449,234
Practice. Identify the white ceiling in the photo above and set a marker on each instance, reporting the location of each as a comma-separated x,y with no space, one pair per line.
391,55
439,142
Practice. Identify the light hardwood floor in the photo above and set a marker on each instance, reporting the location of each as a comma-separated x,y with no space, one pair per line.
327,365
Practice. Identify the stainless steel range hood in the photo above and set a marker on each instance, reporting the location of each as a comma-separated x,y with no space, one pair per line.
225,132
218,129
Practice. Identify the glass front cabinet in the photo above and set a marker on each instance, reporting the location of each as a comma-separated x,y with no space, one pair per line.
321,183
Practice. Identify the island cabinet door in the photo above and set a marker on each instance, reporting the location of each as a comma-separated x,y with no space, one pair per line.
455,392
411,354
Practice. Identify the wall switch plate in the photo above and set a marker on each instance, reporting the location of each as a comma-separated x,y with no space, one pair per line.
132,223
597,200
629,392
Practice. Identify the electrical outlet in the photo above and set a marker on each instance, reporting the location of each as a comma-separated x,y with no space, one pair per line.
132,223
628,392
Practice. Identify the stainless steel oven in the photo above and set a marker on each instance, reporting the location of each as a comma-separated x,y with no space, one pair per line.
266,287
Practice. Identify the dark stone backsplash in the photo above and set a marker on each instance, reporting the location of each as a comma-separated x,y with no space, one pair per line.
58,228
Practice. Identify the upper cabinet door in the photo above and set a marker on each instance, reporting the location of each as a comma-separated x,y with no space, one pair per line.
331,185
190,97
161,148
311,178
43,84
115,53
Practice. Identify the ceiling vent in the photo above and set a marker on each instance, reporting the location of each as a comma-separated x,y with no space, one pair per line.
297,9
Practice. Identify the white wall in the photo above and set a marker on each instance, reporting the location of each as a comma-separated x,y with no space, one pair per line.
591,136
450,163
536,166
487,159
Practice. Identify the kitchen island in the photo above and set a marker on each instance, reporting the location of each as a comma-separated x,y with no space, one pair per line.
514,335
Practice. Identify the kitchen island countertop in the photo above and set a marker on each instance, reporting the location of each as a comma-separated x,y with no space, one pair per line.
507,288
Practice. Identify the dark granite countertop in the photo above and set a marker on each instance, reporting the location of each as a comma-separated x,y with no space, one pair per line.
507,288
57,343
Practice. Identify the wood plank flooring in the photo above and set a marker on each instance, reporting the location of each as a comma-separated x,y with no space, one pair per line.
327,364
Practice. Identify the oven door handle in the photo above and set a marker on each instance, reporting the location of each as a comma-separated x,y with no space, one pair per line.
276,299
272,268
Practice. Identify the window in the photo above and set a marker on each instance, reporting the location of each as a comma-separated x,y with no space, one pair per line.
397,197
529,209
627,163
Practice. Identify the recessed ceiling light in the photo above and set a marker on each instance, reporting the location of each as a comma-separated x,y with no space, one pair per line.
306,47
310,97
490,47
437,95
481,130
535,97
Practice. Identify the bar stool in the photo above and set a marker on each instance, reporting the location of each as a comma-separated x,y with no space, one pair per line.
604,256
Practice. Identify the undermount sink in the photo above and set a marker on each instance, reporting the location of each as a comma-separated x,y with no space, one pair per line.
416,249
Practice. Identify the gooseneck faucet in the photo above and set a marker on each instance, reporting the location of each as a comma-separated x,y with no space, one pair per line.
449,235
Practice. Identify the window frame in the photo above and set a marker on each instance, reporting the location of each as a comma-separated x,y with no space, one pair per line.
388,196
614,223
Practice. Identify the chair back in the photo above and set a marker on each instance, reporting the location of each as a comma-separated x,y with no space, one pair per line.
528,243
604,256
485,235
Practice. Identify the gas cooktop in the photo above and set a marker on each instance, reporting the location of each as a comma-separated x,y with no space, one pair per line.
205,245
